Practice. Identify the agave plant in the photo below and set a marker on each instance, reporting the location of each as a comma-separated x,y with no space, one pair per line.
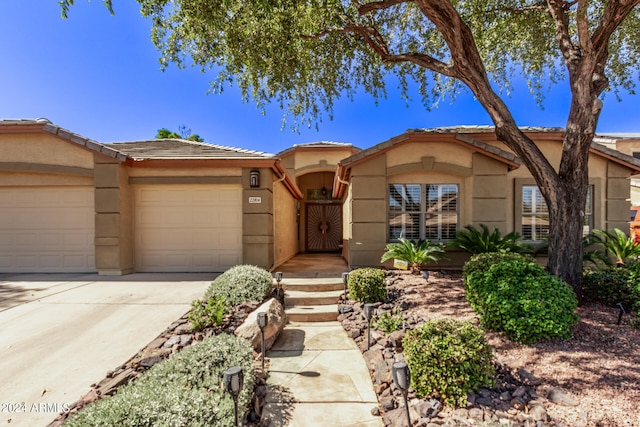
476,242
617,244
415,254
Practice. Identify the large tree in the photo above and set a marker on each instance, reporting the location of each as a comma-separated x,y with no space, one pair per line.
304,54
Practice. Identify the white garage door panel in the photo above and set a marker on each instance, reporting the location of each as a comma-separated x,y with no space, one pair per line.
188,227
47,229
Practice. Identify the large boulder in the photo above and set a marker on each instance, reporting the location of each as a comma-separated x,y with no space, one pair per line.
276,320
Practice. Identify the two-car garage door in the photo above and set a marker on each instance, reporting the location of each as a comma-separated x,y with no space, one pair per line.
177,228
47,229
187,227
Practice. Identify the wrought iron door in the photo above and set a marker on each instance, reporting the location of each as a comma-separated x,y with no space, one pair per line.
324,227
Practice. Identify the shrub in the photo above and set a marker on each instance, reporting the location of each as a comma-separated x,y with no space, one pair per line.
390,322
522,300
205,313
448,358
367,285
415,254
240,284
476,242
481,263
184,390
615,285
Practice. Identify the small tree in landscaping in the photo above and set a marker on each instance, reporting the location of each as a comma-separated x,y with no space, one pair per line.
416,255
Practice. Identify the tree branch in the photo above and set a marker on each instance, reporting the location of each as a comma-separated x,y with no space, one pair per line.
363,9
558,11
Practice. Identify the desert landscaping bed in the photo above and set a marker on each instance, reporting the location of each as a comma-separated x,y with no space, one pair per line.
591,379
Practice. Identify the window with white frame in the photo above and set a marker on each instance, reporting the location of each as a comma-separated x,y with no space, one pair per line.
423,211
535,215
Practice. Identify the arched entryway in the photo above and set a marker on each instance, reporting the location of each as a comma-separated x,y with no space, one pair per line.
320,215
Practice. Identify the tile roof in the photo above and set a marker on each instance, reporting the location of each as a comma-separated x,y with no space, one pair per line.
183,149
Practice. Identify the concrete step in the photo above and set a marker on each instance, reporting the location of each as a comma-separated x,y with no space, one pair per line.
312,284
303,298
312,313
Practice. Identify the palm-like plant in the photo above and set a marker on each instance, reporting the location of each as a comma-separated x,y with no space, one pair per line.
477,241
617,244
415,254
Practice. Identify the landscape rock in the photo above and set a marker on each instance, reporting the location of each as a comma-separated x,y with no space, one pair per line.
276,320
561,397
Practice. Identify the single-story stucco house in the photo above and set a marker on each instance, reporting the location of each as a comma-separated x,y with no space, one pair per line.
71,204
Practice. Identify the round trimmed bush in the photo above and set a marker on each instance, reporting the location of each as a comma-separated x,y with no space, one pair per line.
240,284
367,285
448,358
522,300
184,390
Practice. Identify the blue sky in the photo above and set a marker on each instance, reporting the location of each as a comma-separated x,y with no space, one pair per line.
98,75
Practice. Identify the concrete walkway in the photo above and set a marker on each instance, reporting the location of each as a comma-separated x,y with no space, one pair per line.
62,332
317,375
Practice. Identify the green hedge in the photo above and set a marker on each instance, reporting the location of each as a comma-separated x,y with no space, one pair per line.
367,285
448,358
184,390
522,300
240,284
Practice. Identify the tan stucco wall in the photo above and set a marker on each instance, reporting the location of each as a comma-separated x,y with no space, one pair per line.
285,224
152,172
42,148
114,218
257,221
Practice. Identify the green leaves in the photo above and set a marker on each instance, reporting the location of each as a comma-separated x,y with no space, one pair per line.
184,390
367,285
520,298
448,358
476,242
416,254
617,244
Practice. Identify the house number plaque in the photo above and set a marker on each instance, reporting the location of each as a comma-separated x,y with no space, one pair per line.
255,200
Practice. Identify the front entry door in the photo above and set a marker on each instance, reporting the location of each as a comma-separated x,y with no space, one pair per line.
324,227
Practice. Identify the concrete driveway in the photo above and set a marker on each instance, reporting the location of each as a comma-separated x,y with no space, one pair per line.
59,333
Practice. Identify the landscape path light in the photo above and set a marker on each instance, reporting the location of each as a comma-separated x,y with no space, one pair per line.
279,291
233,380
262,323
622,312
345,279
402,380
368,313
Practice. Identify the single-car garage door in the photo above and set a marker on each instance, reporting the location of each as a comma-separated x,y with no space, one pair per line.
47,229
188,228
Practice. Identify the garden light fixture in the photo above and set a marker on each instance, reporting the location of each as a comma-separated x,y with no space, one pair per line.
233,380
279,291
622,312
345,279
262,323
368,314
402,379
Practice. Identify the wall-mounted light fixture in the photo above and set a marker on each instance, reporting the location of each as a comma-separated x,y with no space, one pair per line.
254,179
